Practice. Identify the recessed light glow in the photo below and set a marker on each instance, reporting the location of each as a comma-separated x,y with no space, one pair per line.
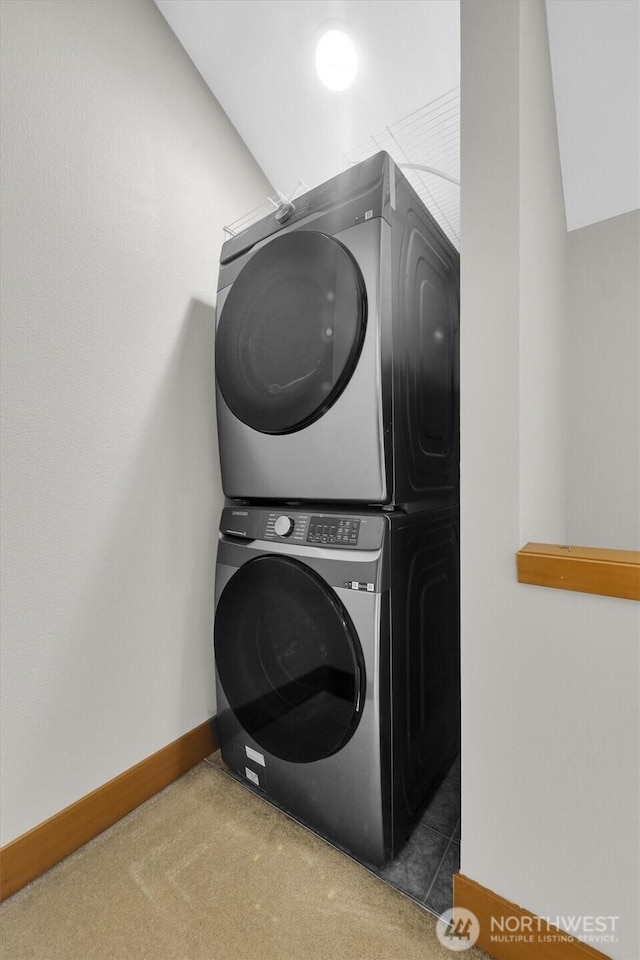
336,60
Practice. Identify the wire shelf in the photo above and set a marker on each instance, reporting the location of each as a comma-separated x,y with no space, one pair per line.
429,136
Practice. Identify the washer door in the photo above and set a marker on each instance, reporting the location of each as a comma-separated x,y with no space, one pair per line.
289,659
290,332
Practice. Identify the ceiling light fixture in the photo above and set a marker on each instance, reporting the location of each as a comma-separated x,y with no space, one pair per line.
336,59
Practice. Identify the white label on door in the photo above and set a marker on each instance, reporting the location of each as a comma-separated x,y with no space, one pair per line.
251,775
255,756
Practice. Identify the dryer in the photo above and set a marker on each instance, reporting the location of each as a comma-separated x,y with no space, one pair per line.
337,664
337,348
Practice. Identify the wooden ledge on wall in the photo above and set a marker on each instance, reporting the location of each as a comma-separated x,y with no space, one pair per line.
612,573
30,855
508,932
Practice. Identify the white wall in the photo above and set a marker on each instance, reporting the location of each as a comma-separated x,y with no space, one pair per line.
550,700
603,427
119,170
541,275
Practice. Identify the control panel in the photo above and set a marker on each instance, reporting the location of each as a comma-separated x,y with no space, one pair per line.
287,525
355,195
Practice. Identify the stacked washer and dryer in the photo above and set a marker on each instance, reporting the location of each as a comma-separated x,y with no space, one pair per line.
337,581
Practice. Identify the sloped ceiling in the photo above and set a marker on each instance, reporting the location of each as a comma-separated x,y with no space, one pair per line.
257,57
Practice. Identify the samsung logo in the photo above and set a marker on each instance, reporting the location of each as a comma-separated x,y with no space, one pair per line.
239,513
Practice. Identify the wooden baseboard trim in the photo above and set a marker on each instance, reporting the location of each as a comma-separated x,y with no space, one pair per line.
611,573
507,932
30,855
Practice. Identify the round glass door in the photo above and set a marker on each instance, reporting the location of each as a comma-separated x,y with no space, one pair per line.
290,332
289,660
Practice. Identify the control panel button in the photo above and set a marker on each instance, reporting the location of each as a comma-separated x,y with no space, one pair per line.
283,526
336,530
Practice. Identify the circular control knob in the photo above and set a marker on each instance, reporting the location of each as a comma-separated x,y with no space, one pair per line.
283,526
285,211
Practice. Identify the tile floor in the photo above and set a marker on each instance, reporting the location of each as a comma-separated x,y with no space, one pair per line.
425,866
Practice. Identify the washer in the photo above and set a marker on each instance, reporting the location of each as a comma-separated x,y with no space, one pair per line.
337,348
337,664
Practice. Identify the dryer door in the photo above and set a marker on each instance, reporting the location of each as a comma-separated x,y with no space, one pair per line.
289,659
290,332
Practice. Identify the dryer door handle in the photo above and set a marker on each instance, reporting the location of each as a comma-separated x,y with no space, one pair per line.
360,697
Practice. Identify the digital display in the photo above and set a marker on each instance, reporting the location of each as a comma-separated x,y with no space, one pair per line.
339,530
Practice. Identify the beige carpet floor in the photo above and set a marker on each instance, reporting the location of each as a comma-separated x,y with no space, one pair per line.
207,871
